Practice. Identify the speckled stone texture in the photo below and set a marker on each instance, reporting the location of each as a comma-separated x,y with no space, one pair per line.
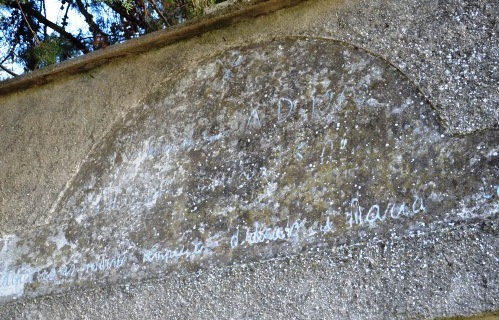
447,273
450,49
335,160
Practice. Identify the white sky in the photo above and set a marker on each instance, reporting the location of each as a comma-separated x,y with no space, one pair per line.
55,14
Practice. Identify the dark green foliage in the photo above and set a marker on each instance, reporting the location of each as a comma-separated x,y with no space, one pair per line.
30,40
51,50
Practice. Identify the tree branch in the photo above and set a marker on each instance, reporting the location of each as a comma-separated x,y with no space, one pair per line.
8,71
116,6
89,18
37,15
153,3
35,38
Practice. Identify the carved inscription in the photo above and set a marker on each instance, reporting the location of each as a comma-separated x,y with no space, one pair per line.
263,151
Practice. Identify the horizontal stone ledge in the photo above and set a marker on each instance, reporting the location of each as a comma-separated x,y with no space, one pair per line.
227,15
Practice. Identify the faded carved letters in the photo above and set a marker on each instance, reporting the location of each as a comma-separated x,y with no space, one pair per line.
265,150
297,231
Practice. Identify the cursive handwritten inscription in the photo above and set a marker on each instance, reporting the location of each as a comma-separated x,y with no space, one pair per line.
358,215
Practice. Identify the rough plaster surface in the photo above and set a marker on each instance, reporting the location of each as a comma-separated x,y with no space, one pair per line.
331,19
397,279
449,49
174,117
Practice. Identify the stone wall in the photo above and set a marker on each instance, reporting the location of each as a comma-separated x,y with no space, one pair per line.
276,159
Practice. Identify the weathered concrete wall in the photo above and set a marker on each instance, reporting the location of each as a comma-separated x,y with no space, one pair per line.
333,159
